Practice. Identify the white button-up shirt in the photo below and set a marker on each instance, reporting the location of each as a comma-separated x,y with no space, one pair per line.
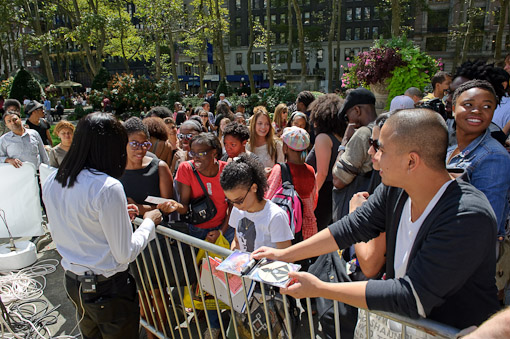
90,225
26,147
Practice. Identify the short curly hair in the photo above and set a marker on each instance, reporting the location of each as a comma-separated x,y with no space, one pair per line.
61,125
244,172
324,117
134,125
156,127
238,131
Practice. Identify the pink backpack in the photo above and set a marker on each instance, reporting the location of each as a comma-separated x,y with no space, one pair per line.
288,199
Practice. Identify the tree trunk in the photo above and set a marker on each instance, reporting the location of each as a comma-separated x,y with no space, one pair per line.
173,63
469,32
124,58
250,48
157,56
301,41
268,44
4,61
395,17
36,24
501,28
330,45
289,37
221,53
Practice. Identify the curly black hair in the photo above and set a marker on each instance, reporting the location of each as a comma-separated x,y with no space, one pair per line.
208,139
473,84
244,171
480,70
134,125
238,131
324,116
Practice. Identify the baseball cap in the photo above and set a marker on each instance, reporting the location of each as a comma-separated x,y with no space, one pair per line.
358,96
296,138
401,102
32,106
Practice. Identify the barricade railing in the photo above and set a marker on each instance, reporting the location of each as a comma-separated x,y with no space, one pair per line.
167,272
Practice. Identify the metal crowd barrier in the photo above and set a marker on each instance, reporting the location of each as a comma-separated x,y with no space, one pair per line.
165,316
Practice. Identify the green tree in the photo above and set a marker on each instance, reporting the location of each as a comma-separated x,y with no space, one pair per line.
101,80
501,28
24,84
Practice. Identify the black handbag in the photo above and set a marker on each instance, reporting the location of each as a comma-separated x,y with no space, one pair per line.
200,209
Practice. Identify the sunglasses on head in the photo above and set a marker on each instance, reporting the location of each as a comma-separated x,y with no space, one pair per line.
374,143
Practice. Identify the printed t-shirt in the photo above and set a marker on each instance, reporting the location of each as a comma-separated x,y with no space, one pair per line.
186,176
262,228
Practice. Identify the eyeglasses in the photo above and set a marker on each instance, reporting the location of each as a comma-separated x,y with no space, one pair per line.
188,136
239,201
374,143
204,116
135,145
192,154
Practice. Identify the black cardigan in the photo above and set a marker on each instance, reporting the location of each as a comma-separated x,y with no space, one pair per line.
452,262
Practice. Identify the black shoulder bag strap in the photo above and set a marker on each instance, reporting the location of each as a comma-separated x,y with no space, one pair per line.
286,176
199,180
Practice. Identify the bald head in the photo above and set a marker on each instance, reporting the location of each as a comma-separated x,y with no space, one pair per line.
422,131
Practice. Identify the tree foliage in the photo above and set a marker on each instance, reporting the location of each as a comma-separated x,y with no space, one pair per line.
24,84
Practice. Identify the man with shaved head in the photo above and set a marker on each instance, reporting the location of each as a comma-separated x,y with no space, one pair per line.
440,233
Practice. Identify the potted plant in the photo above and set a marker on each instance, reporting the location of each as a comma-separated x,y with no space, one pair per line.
389,68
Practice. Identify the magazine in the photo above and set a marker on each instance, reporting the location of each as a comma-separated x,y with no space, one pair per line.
275,273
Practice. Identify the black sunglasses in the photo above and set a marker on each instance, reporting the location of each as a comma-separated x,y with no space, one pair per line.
374,143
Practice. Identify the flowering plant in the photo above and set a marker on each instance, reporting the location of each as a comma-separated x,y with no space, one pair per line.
397,63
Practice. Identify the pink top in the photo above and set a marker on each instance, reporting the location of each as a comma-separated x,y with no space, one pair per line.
303,178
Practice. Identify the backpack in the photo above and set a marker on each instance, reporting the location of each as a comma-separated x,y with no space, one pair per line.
288,199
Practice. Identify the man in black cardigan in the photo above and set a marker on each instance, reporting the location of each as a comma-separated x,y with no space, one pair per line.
440,233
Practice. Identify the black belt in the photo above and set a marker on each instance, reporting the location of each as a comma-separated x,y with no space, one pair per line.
99,278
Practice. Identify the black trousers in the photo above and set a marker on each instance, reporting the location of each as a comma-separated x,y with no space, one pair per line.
111,312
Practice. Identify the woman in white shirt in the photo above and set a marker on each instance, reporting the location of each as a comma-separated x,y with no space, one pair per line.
262,141
91,227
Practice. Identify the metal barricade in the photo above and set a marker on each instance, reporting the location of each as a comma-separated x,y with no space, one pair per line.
163,309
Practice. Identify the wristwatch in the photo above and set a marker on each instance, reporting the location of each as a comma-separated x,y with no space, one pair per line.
341,148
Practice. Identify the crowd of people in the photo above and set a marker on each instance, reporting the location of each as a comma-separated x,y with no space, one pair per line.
405,211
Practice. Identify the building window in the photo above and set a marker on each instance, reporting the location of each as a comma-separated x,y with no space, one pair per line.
357,14
367,13
256,58
238,40
377,16
348,54
239,58
348,15
348,34
273,19
357,33
256,18
366,33
334,54
238,4
507,42
256,4
320,55
476,43
283,38
437,21
375,32
436,44
306,18
282,57
238,23
283,18
298,59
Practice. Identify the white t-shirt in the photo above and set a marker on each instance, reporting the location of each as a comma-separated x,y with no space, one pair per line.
262,228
